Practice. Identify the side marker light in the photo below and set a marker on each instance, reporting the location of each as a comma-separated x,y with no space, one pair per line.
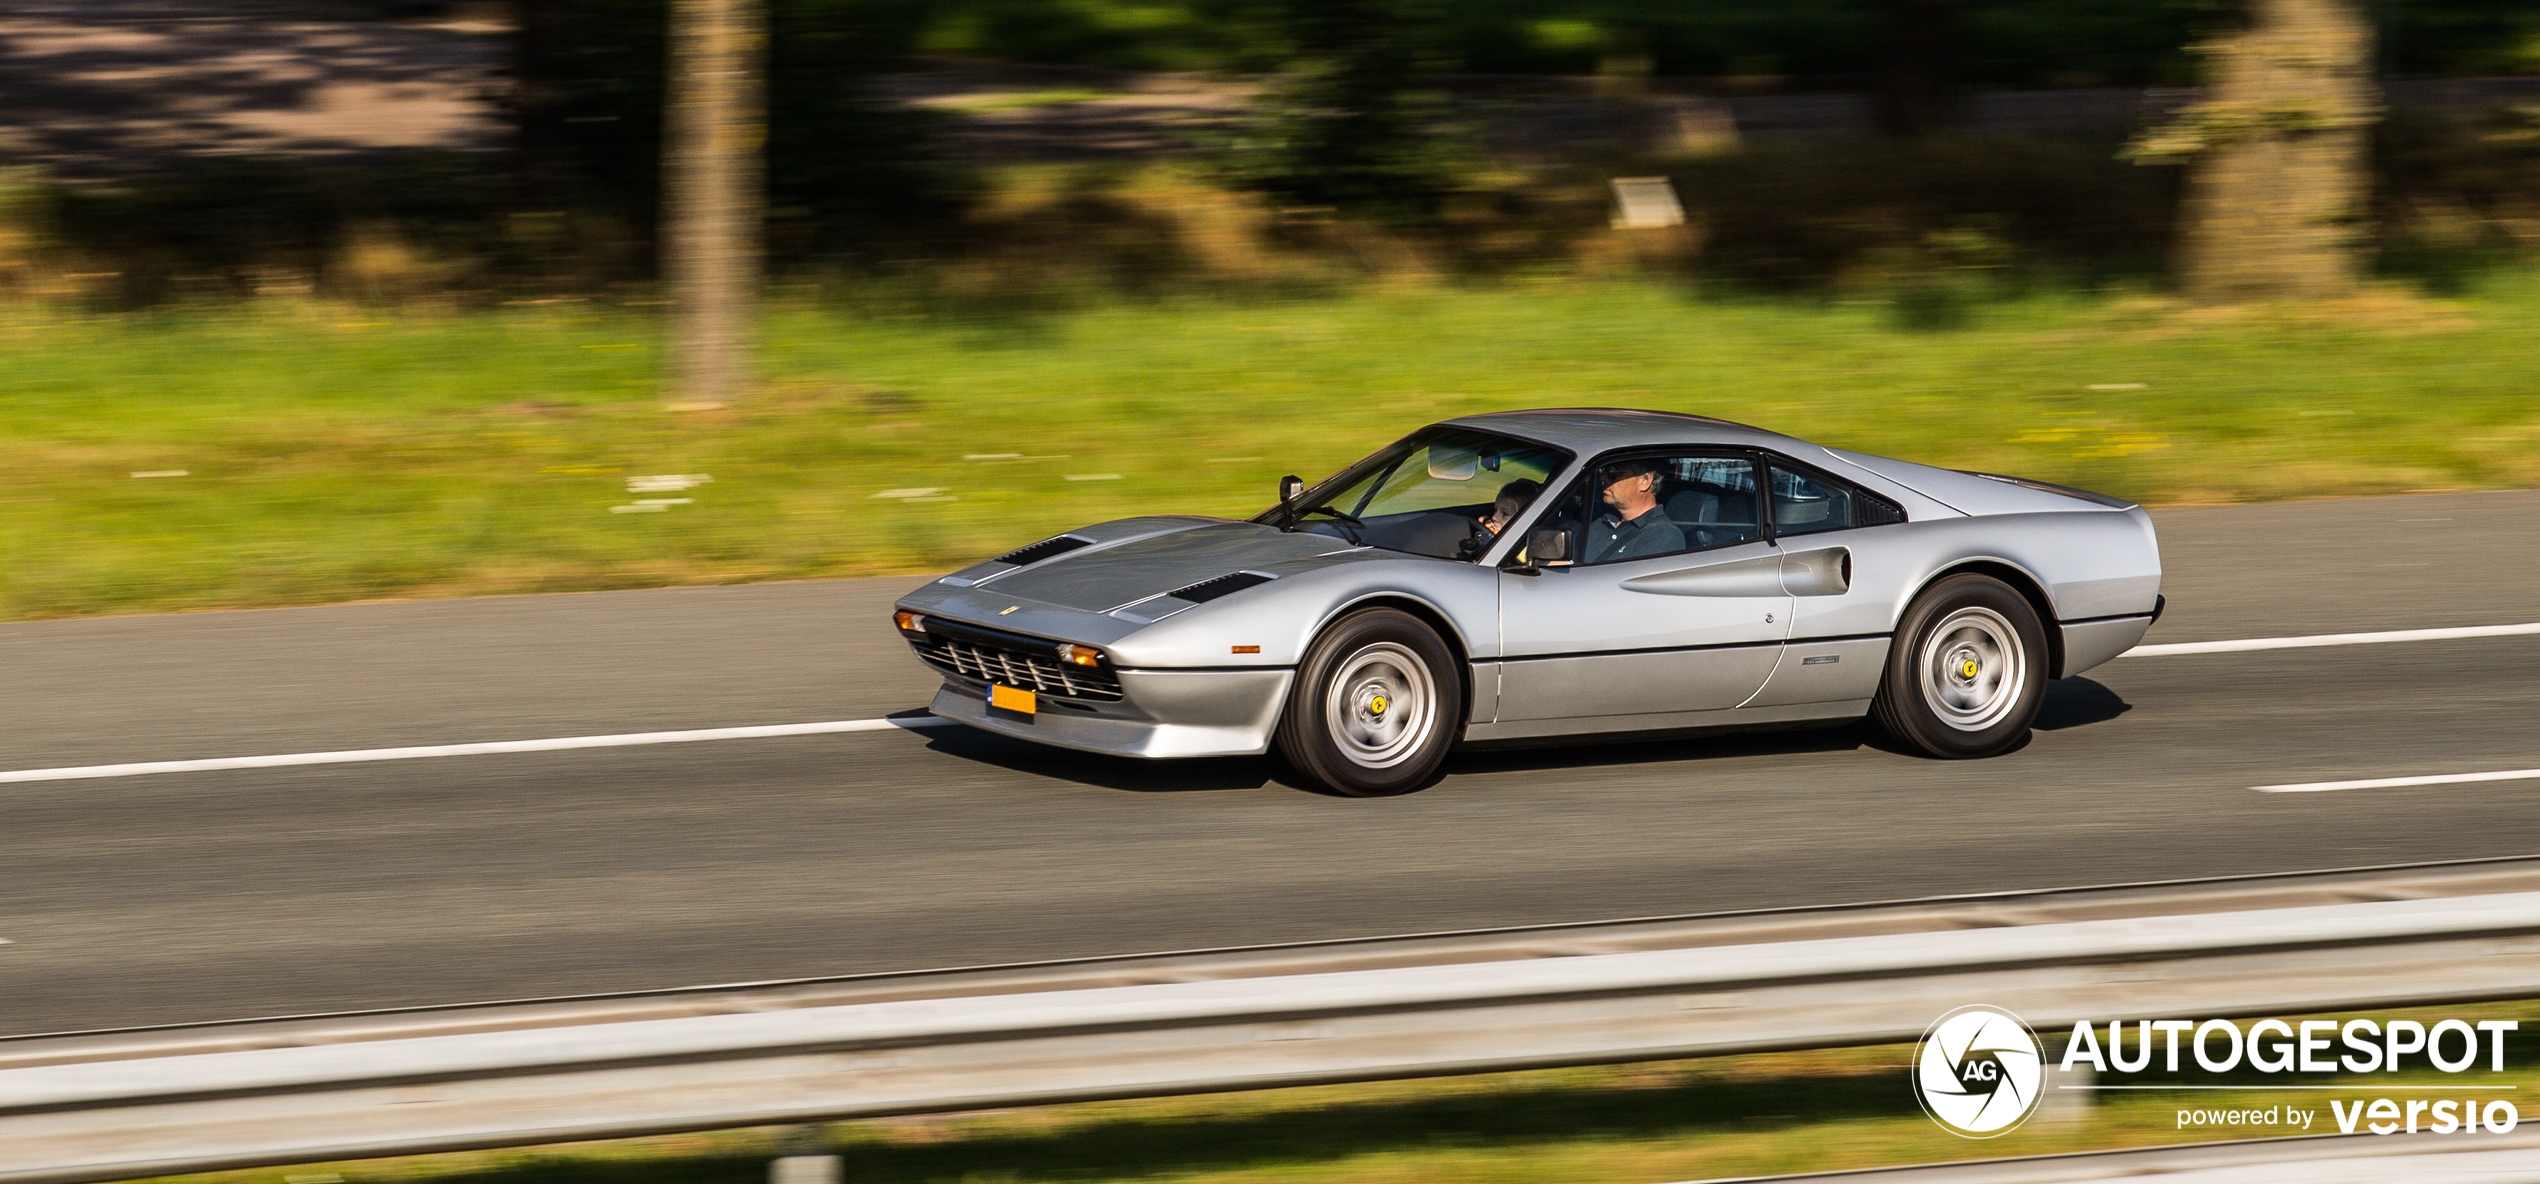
1243,649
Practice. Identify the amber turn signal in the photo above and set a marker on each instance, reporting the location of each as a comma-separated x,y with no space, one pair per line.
908,621
1243,649
1079,655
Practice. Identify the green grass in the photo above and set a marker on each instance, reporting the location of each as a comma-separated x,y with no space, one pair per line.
336,453
1633,1124
1027,100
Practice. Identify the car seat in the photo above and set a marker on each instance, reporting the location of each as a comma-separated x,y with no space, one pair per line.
1690,507
1696,512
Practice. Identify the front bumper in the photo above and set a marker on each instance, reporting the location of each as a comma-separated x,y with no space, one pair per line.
1161,714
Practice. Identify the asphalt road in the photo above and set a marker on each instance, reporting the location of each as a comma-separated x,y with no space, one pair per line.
206,896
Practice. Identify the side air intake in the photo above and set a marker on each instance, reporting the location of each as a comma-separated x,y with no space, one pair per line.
1208,590
1044,549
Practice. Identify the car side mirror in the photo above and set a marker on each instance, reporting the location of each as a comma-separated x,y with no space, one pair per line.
1291,487
1547,546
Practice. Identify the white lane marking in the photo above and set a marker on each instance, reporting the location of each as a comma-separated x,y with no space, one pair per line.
2401,782
831,727
2325,639
419,752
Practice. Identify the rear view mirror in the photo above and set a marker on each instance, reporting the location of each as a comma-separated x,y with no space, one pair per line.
1291,487
1547,546
1453,464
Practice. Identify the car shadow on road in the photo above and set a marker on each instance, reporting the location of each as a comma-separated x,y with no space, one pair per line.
1104,772
2070,703
2079,703
1632,750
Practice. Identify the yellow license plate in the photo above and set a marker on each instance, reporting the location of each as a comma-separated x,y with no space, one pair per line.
1014,699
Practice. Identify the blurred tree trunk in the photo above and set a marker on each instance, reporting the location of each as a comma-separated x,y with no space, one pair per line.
2280,152
1917,94
714,139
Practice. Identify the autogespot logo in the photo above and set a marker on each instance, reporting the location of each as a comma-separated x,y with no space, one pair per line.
1979,1072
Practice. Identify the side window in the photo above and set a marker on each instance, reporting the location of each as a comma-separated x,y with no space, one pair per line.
1804,503
1713,500
1640,507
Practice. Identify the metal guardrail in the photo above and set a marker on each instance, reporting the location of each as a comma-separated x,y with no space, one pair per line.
119,1106
2310,1159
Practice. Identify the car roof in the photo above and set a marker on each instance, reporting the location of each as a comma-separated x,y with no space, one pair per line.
1590,430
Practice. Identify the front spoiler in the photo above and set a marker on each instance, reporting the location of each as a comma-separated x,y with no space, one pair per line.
1165,714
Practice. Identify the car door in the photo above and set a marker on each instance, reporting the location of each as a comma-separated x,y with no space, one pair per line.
1845,558
1619,641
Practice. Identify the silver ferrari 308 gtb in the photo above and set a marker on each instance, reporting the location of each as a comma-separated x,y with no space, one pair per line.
1538,574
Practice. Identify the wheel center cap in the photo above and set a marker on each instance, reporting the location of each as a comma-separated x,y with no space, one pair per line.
1968,668
1376,705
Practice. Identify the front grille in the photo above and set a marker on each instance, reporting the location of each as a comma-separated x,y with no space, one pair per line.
1015,666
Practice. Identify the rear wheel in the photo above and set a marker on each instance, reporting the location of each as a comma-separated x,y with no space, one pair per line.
1967,672
1375,705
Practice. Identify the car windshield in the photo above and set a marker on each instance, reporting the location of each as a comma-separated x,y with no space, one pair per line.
1443,492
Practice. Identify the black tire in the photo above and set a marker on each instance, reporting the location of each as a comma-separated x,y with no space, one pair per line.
1968,670
1375,706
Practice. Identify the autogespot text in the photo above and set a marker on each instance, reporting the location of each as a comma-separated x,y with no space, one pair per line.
2319,1046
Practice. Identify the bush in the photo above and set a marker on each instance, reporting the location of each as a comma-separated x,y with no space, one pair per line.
1871,212
1349,125
2458,195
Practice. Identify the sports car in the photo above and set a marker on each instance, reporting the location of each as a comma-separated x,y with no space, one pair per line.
1539,575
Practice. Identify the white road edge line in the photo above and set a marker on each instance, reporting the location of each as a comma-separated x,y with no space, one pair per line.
2401,782
418,752
2325,639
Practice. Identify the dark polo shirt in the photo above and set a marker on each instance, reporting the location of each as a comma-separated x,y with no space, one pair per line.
1650,534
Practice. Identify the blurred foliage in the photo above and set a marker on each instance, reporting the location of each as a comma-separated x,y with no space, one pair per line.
1877,213
1115,34
2005,42
1348,125
1352,165
847,172
1952,221
25,215
2463,193
240,227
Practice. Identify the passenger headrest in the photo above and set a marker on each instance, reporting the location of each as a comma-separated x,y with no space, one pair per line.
1692,505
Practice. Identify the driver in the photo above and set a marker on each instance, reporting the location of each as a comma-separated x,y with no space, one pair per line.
1633,528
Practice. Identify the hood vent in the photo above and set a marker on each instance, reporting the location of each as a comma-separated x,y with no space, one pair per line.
1044,549
1208,590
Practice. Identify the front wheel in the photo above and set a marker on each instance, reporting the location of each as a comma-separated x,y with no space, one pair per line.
1967,672
1375,705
